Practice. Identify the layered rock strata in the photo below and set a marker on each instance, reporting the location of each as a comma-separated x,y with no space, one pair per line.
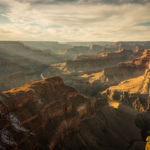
48,114
111,59
133,92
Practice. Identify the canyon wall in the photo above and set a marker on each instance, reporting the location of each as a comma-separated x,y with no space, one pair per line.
49,115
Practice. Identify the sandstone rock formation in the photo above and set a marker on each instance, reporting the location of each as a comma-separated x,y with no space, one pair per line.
94,80
133,92
48,115
133,45
138,53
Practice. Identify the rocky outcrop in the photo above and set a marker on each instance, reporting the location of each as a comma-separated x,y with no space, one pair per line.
133,92
120,45
133,45
124,71
138,53
110,49
94,80
76,51
95,49
47,114
111,59
128,46
128,70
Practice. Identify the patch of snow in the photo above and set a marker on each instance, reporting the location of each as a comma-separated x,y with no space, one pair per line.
32,133
16,122
17,127
40,101
13,118
38,98
6,137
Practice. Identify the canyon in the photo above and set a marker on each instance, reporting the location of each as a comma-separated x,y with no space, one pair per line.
91,74
93,95
48,114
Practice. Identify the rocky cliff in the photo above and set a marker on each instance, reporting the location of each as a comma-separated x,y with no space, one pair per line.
111,59
133,92
133,45
47,114
75,51
127,70
94,80
124,71
138,53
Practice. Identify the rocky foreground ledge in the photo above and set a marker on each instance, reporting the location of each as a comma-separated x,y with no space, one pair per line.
49,115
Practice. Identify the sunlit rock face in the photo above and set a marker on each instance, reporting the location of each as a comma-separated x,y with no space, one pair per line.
134,92
88,78
138,53
128,70
50,115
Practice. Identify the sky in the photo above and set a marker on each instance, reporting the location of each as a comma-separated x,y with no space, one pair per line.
75,20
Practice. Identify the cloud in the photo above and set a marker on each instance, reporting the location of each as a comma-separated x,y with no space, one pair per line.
78,21
89,1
